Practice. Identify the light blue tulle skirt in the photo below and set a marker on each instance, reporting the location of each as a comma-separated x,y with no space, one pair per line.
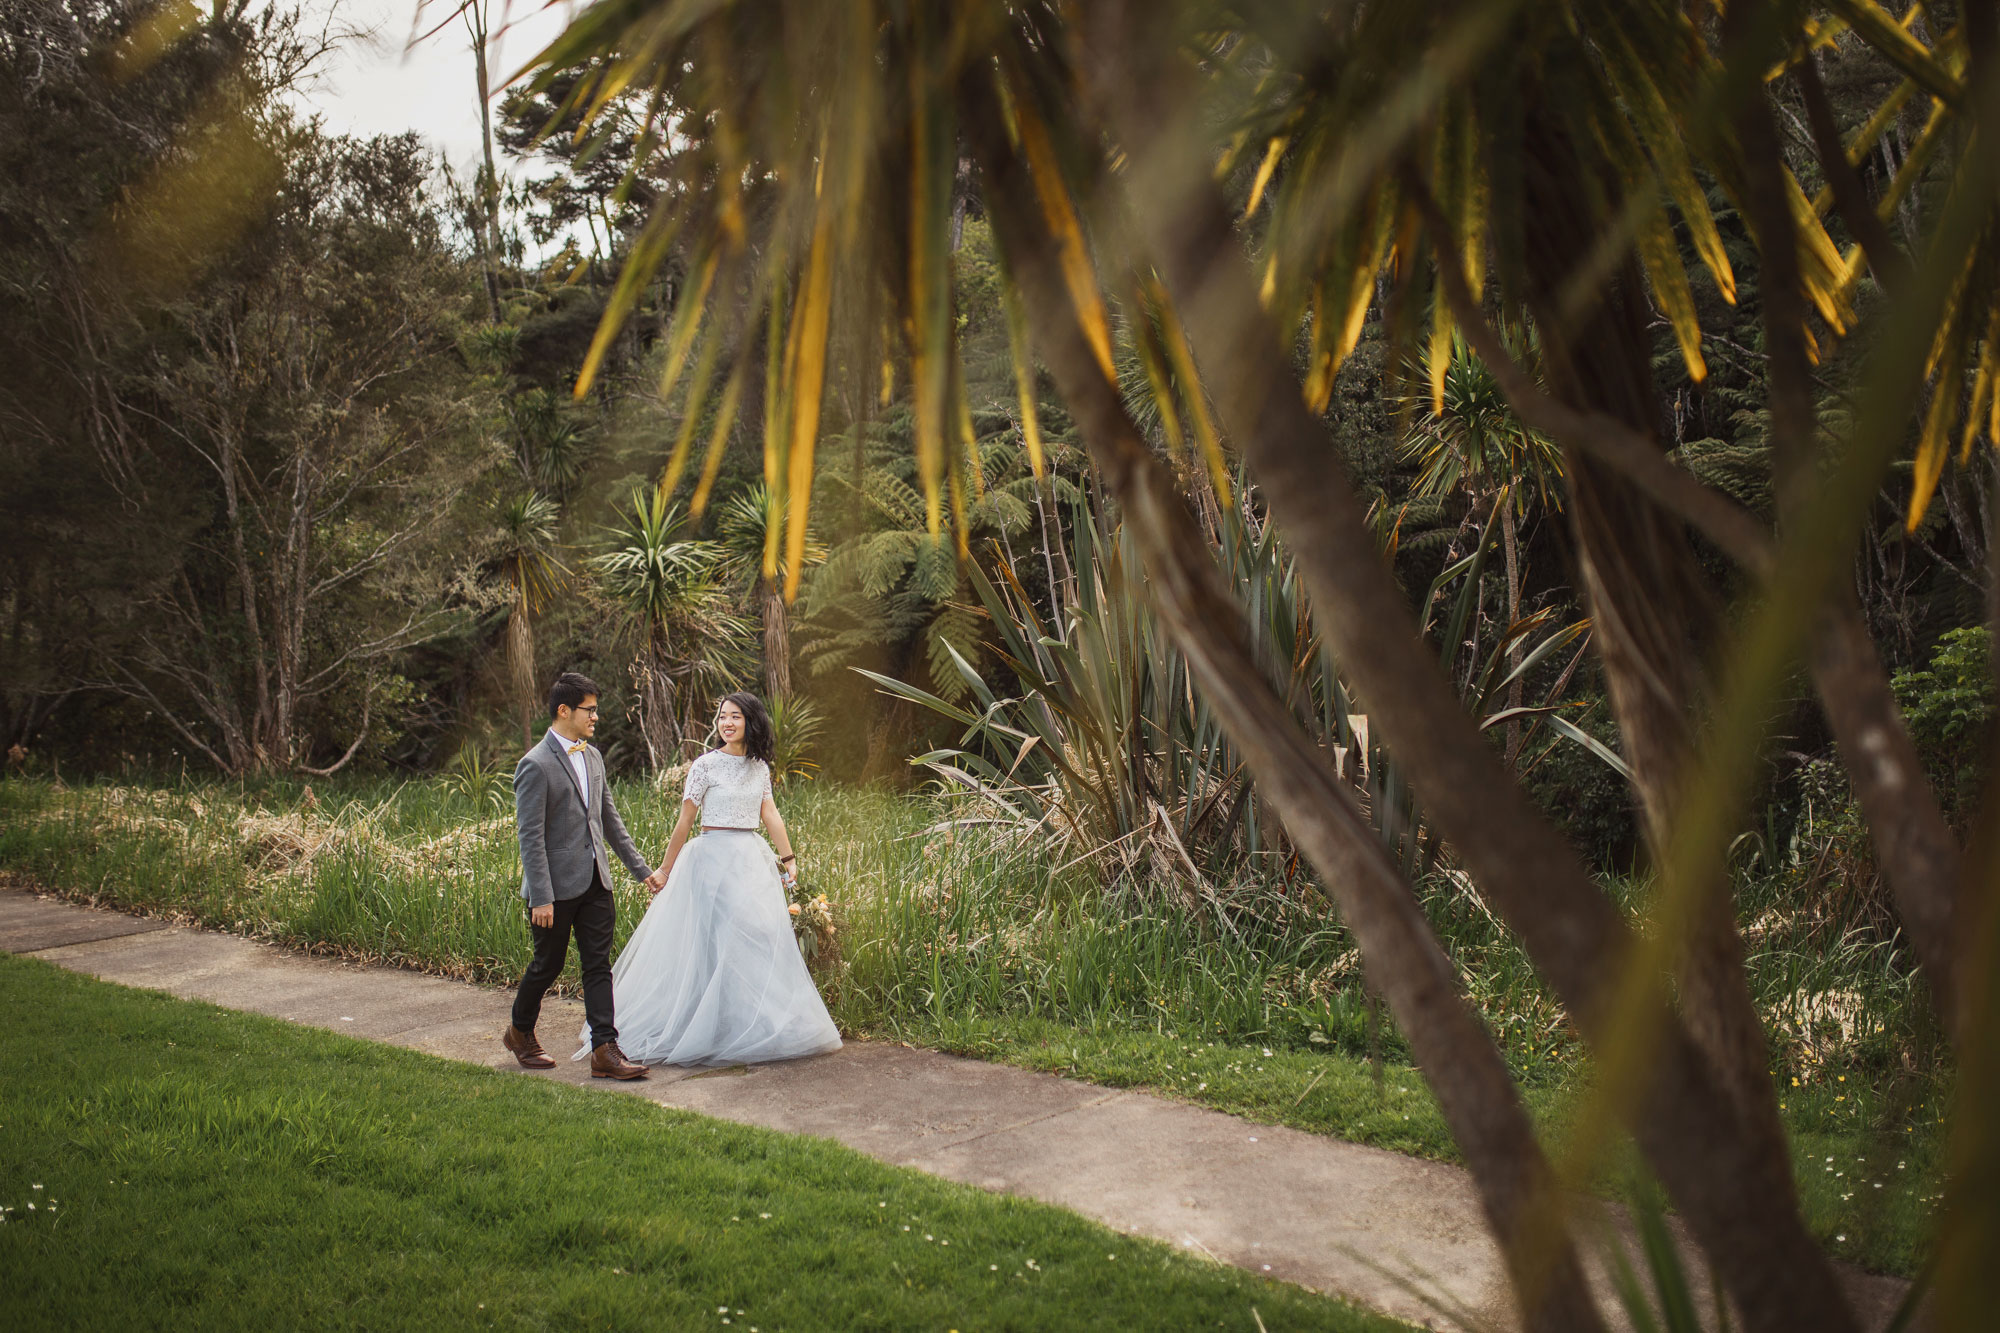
713,975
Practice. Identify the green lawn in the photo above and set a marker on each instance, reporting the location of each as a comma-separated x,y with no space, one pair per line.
168,1164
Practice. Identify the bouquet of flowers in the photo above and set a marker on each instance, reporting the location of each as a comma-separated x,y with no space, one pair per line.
813,924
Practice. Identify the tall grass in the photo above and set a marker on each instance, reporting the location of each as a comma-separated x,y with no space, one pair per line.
959,924
938,920
410,873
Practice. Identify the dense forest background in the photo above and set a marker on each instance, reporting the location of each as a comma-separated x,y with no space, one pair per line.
292,477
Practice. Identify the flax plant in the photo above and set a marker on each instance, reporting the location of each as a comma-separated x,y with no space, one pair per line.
1109,755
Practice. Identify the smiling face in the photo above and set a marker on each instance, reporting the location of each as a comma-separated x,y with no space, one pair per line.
729,725
579,723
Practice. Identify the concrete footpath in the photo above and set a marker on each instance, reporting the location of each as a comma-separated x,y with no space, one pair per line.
1336,1217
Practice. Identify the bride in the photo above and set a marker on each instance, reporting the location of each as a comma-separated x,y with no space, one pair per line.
712,975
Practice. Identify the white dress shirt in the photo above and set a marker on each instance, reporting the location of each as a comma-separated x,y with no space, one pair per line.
577,766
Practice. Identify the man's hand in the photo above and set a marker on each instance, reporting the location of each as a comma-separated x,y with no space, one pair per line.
543,916
656,881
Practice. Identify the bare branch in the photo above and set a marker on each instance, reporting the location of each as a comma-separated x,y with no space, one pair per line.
367,698
1892,269
138,689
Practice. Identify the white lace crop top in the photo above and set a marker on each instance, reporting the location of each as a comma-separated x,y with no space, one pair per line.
728,789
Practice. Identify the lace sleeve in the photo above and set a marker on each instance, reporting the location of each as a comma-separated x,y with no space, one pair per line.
697,781
765,770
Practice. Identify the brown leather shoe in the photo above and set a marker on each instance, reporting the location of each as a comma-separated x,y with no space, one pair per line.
526,1049
607,1061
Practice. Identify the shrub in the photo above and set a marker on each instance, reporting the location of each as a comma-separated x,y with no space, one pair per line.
1947,708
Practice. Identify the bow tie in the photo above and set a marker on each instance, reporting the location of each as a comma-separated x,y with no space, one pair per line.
579,747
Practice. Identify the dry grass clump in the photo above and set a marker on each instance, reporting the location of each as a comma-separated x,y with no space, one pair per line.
1823,1027
274,844
294,842
463,840
131,810
1285,985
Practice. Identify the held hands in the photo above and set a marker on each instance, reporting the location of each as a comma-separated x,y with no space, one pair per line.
656,881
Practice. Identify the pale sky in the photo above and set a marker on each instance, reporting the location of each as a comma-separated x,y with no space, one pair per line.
394,83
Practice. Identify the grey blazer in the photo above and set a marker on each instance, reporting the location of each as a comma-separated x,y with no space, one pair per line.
560,839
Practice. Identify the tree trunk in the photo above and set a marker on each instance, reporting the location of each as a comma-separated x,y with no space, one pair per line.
882,760
1914,844
1420,983
777,641
1735,1192
961,195
291,567
1057,610
659,725
521,664
489,185
1516,692
1199,488
228,461
1652,615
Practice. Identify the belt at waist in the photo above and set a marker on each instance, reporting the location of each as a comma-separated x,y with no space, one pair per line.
725,828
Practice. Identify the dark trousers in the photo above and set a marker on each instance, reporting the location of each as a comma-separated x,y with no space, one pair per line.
592,916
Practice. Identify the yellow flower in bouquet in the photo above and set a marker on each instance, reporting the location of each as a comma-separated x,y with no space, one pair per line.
813,924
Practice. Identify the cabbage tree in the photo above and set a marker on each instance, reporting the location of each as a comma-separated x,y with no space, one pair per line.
686,640
1257,178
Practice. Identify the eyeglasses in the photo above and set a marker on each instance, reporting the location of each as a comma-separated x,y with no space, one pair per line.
591,709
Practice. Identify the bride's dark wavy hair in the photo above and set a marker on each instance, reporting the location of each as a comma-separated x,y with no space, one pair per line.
759,738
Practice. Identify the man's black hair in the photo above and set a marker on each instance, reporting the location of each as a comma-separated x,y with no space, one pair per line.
571,689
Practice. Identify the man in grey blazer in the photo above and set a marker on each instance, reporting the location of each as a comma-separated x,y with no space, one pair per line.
565,819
